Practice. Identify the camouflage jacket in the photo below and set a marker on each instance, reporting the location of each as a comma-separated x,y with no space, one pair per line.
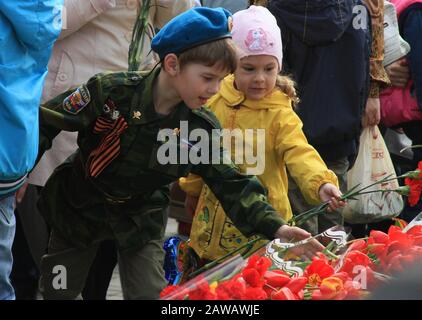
87,201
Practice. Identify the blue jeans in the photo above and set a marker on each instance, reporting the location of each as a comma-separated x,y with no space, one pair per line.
7,234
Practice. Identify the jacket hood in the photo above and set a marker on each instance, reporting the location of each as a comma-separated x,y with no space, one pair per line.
233,97
315,22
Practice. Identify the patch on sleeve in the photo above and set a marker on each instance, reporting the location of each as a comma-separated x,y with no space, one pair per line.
78,100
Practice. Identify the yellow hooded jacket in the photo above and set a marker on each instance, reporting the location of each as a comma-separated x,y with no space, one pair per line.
213,234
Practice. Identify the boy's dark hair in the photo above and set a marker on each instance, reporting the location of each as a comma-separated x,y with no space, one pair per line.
221,52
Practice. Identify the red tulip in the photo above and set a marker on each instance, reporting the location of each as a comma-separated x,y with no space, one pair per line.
341,275
253,277
359,245
417,241
231,289
353,289
378,236
415,230
255,294
318,270
169,289
401,246
296,284
352,260
377,248
331,287
283,294
317,295
261,264
275,279
202,292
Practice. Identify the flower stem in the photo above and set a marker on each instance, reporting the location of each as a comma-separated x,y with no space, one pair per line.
351,194
411,147
215,262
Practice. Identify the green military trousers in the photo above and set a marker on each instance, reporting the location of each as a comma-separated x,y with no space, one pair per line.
64,270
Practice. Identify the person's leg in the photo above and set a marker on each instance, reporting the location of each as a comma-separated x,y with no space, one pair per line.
141,271
31,240
101,271
34,227
330,219
64,269
7,233
25,273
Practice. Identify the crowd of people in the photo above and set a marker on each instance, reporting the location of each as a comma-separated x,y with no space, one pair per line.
80,144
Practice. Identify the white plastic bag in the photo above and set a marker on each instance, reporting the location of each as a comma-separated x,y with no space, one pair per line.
395,47
372,164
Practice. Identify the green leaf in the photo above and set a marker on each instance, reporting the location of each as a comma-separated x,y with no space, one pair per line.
374,258
349,192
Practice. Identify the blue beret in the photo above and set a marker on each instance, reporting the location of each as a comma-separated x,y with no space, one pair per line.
192,28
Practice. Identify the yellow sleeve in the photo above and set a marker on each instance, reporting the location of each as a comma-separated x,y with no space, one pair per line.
192,184
304,163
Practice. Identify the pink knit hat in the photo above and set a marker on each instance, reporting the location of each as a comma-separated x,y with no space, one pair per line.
255,32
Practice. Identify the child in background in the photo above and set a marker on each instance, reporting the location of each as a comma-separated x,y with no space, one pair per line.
257,97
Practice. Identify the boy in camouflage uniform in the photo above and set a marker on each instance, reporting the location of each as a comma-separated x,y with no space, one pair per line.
114,187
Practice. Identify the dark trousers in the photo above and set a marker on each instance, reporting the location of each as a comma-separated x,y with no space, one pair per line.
101,271
25,273
322,222
64,270
30,245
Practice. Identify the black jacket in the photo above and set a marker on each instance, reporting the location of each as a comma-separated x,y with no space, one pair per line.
328,58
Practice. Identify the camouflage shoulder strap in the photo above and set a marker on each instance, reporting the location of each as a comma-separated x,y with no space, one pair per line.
111,79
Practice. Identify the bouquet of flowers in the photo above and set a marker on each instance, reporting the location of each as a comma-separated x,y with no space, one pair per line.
344,270
412,189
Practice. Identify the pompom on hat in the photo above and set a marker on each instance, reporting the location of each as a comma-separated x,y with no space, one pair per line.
192,28
255,32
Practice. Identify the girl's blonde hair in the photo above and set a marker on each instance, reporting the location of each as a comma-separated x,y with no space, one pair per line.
287,85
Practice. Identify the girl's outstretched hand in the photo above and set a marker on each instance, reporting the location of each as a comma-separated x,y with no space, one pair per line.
329,192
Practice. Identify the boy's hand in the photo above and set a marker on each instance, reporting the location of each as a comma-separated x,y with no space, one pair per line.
294,234
190,205
329,192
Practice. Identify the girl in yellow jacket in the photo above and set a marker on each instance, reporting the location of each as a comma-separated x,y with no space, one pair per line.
256,97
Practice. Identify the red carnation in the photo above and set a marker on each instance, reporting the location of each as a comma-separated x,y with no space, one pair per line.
415,191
